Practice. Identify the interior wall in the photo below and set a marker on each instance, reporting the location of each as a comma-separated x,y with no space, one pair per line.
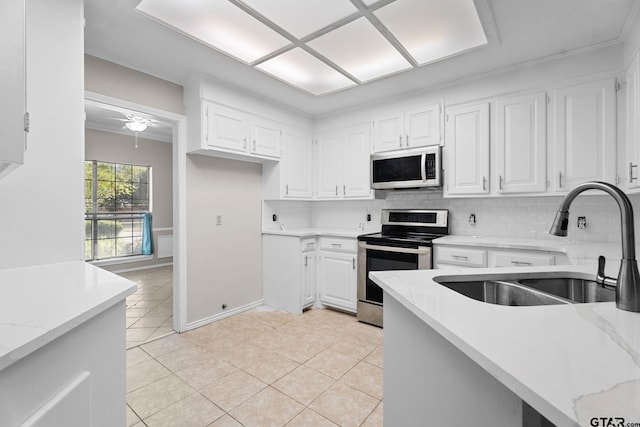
41,218
224,261
117,148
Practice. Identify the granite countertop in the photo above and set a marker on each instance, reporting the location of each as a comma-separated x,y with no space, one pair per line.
39,304
570,362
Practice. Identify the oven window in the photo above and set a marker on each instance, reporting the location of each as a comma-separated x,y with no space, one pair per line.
381,261
398,169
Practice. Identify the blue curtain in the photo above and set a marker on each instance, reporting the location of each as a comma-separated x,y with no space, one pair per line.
147,241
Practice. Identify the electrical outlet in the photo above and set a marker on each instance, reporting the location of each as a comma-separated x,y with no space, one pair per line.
472,219
368,217
582,222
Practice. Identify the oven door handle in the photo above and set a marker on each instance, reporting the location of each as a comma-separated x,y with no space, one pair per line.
419,251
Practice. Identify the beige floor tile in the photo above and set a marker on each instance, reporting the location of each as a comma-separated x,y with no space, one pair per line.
147,303
137,312
272,317
159,311
139,334
332,363
309,418
183,357
376,357
366,332
376,417
132,418
166,345
243,355
301,349
303,384
205,372
132,320
344,405
365,377
192,411
354,347
268,408
150,322
140,424
271,367
148,400
232,390
225,421
135,356
161,332
144,374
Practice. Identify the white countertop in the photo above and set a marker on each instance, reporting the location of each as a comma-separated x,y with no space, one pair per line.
40,303
312,231
570,362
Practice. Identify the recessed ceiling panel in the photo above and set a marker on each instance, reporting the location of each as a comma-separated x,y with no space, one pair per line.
303,17
305,71
361,50
218,24
434,29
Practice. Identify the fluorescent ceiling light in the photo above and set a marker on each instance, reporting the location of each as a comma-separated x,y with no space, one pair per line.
218,24
434,29
303,17
305,71
361,50
322,46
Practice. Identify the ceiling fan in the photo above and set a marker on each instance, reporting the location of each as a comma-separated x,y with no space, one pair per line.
136,124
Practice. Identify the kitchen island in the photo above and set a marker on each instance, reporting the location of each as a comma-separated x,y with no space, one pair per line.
62,346
452,360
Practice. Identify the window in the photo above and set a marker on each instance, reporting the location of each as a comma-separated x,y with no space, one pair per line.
117,197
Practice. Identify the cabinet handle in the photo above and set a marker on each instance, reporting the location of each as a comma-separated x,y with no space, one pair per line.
286,189
631,177
559,179
254,145
521,263
353,263
344,189
336,245
400,139
484,183
336,190
500,183
244,140
406,140
460,257
305,260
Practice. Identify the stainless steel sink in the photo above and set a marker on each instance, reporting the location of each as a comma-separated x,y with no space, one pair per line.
576,290
527,291
503,293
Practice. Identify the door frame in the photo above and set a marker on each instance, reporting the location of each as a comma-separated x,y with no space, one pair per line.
179,166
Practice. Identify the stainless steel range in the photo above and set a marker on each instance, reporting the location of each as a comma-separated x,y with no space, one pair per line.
403,244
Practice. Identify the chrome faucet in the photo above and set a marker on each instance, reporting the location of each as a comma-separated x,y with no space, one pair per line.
628,281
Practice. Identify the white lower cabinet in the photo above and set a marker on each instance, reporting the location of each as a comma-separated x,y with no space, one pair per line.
337,280
445,256
308,278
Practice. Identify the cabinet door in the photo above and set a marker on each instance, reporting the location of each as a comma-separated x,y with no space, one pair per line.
12,85
521,127
357,149
467,149
308,279
329,170
389,133
633,123
265,137
296,163
225,128
337,282
422,126
585,133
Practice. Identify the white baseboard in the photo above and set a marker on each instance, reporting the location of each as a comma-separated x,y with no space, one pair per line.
144,267
221,316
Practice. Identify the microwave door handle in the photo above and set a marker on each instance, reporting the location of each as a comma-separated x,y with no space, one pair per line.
423,161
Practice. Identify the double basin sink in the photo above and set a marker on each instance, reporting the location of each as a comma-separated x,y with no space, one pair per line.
529,291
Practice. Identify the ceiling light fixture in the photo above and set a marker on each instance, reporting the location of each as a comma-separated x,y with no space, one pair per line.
137,125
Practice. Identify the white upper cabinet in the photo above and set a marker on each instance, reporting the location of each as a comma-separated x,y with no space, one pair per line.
520,143
12,86
633,123
584,133
417,127
342,163
231,131
297,165
467,149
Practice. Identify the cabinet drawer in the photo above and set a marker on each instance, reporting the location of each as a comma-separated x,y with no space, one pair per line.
462,257
341,244
515,259
308,245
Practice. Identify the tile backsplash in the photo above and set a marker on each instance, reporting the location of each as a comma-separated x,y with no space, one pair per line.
516,217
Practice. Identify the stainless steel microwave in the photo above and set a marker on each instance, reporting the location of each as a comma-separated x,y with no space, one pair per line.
411,168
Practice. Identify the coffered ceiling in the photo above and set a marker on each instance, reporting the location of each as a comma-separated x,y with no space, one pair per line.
328,55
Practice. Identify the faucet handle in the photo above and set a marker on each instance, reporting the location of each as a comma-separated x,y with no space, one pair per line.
601,279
